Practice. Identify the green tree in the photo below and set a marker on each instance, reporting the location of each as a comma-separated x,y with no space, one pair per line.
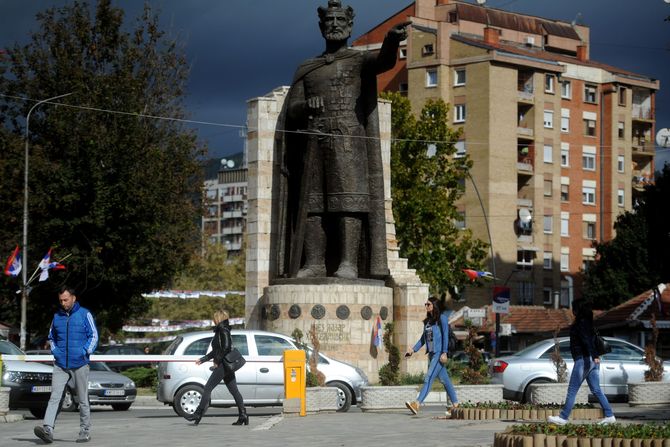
427,181
117,192
637,259
213,270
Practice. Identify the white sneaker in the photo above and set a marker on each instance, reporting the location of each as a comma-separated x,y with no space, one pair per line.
607,420
556,420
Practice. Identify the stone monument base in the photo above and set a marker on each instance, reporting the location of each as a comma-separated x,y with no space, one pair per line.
344,315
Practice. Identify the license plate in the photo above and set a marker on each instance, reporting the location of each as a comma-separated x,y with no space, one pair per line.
41,389
115,393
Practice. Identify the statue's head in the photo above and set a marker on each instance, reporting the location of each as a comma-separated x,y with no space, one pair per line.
336,21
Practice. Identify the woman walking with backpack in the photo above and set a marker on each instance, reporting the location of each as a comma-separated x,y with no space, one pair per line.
587,364
436,339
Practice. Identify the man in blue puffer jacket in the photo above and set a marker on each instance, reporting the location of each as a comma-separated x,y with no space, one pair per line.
73,338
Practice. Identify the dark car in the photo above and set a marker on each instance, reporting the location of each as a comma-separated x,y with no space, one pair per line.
123,350
29,382
464,357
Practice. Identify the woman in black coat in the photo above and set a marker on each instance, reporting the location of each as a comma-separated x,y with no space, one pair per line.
221,345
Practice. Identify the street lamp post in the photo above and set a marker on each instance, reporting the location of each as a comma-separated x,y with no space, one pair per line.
24,268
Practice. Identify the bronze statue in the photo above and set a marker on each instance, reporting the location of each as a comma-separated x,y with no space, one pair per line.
331,217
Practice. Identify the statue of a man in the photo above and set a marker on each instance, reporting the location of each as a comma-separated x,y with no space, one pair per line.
332,220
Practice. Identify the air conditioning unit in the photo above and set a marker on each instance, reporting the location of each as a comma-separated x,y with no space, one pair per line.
529,41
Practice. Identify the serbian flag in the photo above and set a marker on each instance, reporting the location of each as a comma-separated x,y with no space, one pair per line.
46,265
377,338
474,274
13,266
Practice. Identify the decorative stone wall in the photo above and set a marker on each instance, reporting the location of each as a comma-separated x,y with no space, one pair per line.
4,398
550,393
379,398
322,399
648,393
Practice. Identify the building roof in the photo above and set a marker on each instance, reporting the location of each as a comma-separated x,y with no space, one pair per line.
526,319
548,56
636,310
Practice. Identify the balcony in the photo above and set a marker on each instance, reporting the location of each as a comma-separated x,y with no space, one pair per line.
234,198
526,97
643,146
642,112
525,132
232,214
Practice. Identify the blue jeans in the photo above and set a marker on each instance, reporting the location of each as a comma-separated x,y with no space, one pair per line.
437,370
585,368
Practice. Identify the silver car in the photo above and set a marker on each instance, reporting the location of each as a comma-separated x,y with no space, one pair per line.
533,365
261,379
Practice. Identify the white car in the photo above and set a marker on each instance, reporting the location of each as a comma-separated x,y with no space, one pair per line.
260,380
533,365
29,382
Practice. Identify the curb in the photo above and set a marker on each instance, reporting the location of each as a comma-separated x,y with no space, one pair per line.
10,417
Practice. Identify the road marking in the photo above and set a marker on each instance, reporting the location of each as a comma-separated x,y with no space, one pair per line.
267,425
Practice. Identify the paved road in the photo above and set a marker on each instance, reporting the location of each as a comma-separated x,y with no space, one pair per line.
151,425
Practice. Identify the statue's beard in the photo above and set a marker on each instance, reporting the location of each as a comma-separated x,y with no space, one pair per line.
337,35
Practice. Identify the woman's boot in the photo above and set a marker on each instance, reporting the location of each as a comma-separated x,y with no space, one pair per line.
242,419
195,417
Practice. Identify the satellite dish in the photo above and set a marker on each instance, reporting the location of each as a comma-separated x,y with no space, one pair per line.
230,163
663,135
481,2
525,216
223,162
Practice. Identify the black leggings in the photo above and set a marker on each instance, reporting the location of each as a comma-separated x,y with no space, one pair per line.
229,379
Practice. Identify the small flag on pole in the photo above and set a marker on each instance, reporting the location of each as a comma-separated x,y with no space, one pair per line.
474,274
13,266
377,338
46,265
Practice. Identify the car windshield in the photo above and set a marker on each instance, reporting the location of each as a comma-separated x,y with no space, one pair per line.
99,366
9,348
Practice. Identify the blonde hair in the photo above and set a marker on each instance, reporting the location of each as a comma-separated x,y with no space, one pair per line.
219,316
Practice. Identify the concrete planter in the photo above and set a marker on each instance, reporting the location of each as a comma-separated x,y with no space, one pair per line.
375,398
555,393
321,399
648,393
536,414
4,400
479,393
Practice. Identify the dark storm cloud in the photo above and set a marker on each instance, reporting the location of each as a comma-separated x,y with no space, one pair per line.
241,49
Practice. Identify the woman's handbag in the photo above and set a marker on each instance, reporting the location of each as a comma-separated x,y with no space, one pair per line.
233,360
601,345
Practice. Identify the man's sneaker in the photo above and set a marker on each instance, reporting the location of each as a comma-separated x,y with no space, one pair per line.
556,420
607,420
84,436
413,407
44,433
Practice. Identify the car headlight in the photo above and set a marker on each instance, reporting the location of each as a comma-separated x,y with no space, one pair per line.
129,385
12,376
94,385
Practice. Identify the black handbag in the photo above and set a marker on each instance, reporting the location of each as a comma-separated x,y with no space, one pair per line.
601,345
233,360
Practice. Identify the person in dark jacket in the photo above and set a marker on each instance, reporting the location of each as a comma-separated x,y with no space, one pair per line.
221,345
587,364
436,339
72,337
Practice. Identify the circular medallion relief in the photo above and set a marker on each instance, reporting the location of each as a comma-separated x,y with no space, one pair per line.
366,312
318,311
342,312
294,311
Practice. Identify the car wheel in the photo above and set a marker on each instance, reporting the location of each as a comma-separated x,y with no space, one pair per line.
343,396
68,403
187,399
38,412
121,407
526,392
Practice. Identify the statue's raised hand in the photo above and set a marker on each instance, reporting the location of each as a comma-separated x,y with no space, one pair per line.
399,31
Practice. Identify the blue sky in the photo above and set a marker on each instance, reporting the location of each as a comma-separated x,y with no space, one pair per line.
241,49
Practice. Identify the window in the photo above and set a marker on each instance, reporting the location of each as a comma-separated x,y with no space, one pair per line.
565,155
459,113
460,221
621,130
620,163
524,259
590,92
459,76
270,345
198,347
588,195
431,149
402,53
620,197
565,224
590,128
548,224
460,149
526,292
565,262
547,295
548,261
548,186
566,90
548,119
427,49
589,158
549,83
240,342
622,96
548,153
587,263
590,230
565,193
565,120
431,77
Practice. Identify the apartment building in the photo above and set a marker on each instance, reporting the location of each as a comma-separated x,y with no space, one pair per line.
225,216
560,143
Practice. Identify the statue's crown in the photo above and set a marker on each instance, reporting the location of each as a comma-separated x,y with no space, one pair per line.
336,5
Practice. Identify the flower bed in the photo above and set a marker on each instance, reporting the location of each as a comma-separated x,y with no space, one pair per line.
580,435
514,411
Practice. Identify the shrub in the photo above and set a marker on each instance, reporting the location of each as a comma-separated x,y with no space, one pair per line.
313,359
389,373
476,372
655,371
143,376
559,364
